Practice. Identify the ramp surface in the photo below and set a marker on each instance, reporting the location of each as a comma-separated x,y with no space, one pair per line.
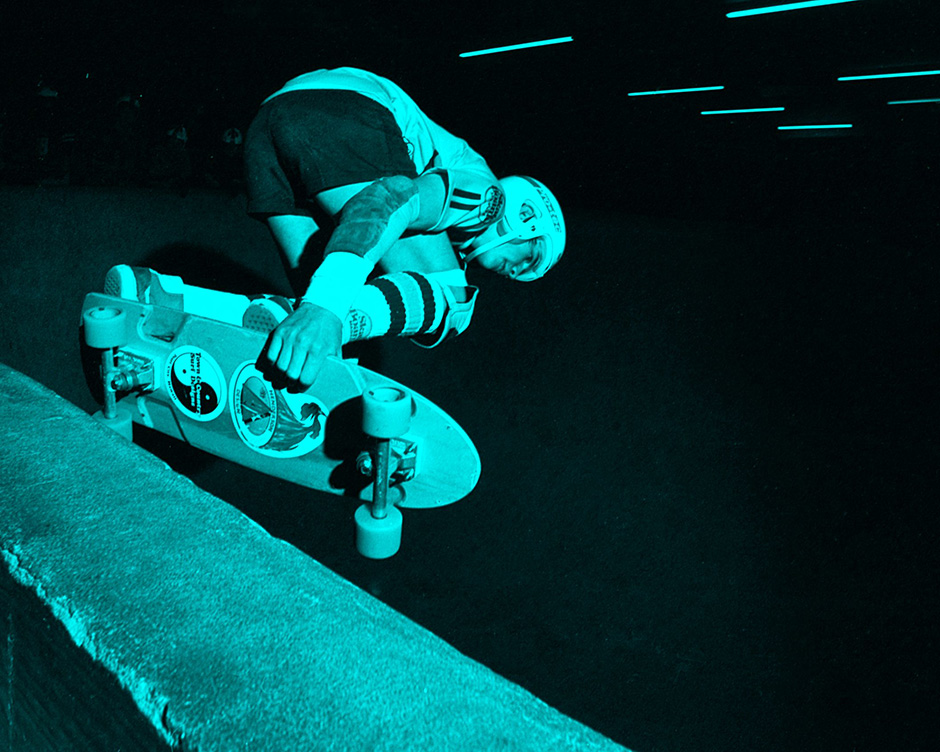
165,618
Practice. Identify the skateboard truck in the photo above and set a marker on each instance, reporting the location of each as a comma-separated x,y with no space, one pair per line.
106,330
403,461
386,415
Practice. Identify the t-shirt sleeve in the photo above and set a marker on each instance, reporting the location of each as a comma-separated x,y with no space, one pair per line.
472,201
451,152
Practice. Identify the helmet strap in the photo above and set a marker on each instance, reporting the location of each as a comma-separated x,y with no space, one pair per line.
502,240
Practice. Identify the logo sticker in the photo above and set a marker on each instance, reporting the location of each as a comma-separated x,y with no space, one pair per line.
360,325
195,383
273,421
494,202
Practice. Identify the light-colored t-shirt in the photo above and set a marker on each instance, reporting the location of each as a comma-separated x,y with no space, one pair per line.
474,198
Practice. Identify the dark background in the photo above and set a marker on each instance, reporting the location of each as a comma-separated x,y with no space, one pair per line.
707,513
559,112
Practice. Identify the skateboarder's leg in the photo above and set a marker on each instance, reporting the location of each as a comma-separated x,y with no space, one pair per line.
404,304
426,307
411,304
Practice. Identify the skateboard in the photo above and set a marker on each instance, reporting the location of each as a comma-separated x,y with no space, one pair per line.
354,433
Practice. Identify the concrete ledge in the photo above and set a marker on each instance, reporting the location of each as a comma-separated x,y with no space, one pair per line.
169,620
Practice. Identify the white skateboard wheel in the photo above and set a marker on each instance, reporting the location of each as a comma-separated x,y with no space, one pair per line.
378,539
105,327
122,423
386,412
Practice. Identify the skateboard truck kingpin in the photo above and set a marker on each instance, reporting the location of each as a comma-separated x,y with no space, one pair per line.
386,415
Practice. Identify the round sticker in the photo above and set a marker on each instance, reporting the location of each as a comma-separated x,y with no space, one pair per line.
195,383
272,421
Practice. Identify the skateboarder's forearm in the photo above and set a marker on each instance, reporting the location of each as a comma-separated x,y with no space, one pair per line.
370,224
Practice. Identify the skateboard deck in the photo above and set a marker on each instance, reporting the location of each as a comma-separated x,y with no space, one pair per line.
200,382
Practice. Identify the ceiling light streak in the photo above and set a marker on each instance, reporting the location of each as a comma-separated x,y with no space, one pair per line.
735,112
491,50
915,101
673,91
785,7
889,75
812,127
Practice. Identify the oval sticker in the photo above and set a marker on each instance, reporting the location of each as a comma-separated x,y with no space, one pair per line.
195,383
272,421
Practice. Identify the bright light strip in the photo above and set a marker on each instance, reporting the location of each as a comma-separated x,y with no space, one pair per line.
915,101
491,50
890,75
735,112
673,91
810,127
785,7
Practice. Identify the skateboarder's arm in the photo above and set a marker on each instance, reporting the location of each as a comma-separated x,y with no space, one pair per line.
302,342
467,199
377,216
370,224
374,219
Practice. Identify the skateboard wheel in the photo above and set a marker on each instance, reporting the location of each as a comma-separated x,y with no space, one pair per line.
105,327
122,423
378,539
386,412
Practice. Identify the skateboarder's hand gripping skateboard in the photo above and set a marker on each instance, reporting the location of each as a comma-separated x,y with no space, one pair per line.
299,346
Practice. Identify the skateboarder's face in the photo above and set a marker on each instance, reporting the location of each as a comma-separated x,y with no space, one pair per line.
510,259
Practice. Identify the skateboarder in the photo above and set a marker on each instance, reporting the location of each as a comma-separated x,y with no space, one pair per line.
358,147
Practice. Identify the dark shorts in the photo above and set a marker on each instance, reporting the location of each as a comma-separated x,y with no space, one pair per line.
304,142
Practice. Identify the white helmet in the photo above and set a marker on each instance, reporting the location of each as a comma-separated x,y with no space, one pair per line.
532,215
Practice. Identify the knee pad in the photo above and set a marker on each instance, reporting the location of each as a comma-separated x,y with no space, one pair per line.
458,312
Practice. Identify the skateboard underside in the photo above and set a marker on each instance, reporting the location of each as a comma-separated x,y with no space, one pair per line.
199,381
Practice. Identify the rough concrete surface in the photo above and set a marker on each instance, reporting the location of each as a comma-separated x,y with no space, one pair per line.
224,636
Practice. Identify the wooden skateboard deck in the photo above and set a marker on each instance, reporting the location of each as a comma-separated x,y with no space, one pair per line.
205,388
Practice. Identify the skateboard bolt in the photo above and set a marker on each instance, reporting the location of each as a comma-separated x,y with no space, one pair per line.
125,382
364,464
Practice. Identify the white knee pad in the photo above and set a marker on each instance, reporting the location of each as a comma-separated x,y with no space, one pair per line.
460,300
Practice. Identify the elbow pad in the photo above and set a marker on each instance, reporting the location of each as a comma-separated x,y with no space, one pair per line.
376,217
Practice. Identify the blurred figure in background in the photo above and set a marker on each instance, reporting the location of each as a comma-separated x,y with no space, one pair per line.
114,152
171,162
224,163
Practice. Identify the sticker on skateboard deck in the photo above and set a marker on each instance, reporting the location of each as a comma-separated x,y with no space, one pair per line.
195,383
275,422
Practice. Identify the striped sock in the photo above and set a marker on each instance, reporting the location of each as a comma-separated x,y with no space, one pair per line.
402,304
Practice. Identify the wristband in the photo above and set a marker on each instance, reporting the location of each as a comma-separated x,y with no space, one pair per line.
337,281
